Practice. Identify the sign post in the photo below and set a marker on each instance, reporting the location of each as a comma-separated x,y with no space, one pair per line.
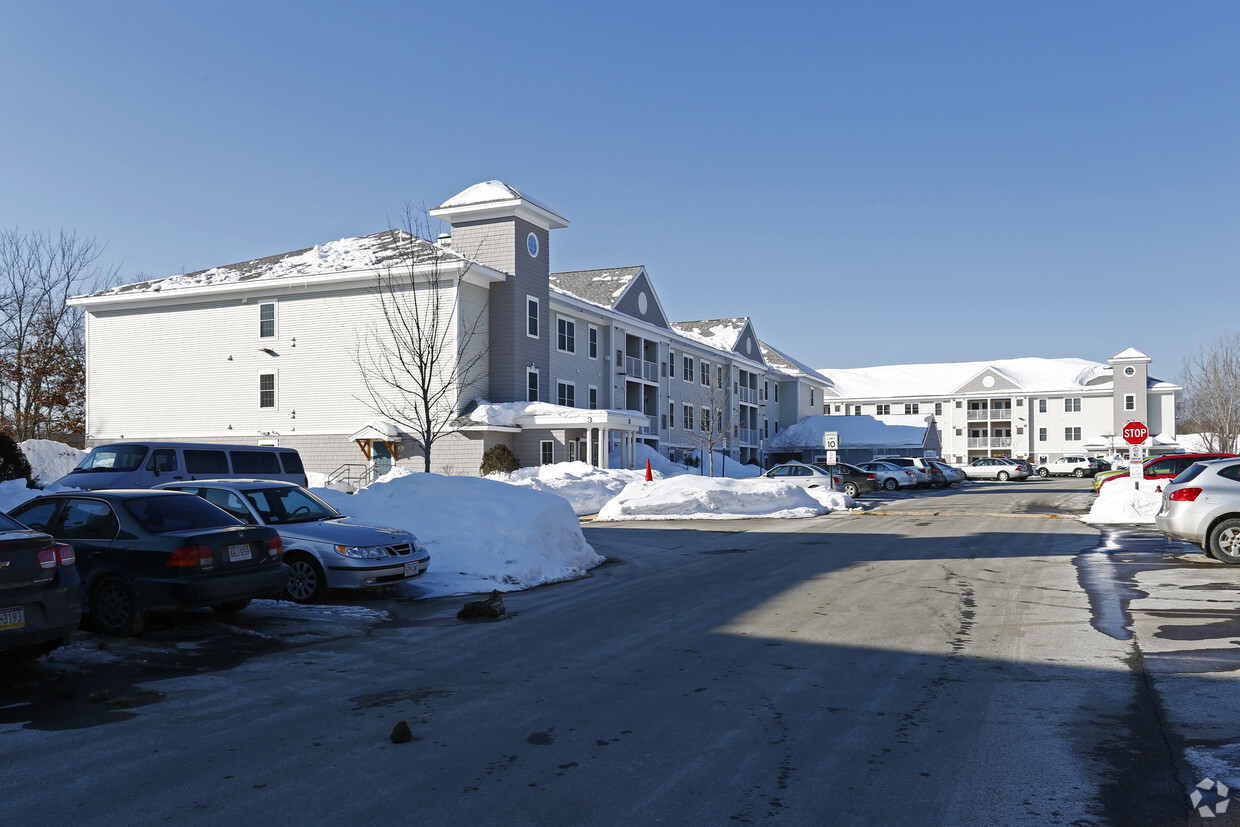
831,444
1135,434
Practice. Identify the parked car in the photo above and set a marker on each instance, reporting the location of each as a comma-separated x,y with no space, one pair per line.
147,464
852,480
1202,506
994,468
951,473
142,551
39,591
1104,465
1029,467
915,464
323,548
890,476
1158,468
1070,466
799,473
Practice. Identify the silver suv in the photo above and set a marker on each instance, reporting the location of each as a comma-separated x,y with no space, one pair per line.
323,548
1073,466
1202,506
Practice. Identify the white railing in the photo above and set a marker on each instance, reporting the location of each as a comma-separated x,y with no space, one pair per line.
632,366
749,436
974,414
650,371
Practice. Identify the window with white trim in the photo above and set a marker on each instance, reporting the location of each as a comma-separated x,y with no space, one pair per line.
703,372
531,385
671,363
938,408
1041,435
704,421
267,320
592,397
1130,402
267,390
531,317
856,410
687,373
592,342
565,335
1072,434
688,417
882,410
912,407
1072,404
546,451
566,394
1041,406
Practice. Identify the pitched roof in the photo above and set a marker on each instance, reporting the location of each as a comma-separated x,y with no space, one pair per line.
721,334
598,287
785,364
369,252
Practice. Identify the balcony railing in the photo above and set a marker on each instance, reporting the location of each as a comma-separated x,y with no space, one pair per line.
749,436
638,369
749,395
990,442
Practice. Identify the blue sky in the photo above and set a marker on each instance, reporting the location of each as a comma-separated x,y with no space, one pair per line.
872,183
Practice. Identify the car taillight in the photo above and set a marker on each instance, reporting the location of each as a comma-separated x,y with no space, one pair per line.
65,554
870,477
47,558
191,556
276,547
1185,495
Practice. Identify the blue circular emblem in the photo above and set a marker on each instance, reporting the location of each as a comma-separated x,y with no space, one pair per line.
531,244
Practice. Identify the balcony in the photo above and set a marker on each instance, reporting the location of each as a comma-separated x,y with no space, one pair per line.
638,369
989,442
749,395
749,436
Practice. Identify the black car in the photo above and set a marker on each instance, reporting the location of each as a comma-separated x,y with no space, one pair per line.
852,480
39,591
144,551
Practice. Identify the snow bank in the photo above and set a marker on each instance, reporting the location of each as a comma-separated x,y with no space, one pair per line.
1121,502
13,493
482,534
586,488
50,460
718,498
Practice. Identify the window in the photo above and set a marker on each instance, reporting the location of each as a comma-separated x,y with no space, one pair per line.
592,398
671,363
267,320
938,408
546,451
566,394
776,392
1130,402
719,378
704,373
688,369
1041,406
266,390
1072,404
671,414
912,407
856,410
592,342
531,385
1041,435
162,459
882,410
704,421
566,335
254,462
531,317
205,461
1072,434
811,397
688,418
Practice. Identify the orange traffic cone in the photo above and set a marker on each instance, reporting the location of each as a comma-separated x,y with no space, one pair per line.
649,474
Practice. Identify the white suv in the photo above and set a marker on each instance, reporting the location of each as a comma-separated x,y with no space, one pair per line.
1074,466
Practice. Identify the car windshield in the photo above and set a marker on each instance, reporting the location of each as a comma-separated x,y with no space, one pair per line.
289,505
181,512
113,458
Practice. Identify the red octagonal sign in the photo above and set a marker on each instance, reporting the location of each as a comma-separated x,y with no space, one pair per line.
1135,433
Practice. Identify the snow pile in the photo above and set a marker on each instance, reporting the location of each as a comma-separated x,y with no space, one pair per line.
586,488
688,497
50,460
481,534
13,493
1120,501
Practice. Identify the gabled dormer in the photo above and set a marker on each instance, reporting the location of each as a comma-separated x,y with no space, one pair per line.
989,380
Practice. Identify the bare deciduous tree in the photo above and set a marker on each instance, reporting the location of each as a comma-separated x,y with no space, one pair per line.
42,350
1211,402
714,422
426,350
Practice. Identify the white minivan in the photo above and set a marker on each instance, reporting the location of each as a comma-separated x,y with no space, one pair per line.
146,464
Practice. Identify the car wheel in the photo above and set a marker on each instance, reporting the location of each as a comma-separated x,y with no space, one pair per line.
232,606
890,484
850,489
1224,542
1003,476
306,582
1078,473
115,608
1044,472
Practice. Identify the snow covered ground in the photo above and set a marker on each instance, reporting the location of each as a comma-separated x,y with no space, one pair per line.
1121,502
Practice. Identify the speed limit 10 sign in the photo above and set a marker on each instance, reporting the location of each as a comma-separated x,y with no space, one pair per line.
1135,433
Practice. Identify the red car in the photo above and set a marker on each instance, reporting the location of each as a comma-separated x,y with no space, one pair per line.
1160,468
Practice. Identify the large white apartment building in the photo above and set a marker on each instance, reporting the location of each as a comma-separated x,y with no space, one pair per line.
1032,407
585,365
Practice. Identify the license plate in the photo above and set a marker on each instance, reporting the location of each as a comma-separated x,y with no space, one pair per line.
411,569
13,618
239,552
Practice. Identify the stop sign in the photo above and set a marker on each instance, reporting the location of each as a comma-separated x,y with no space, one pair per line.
1135,433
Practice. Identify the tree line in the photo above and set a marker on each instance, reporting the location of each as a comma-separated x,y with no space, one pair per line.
42,340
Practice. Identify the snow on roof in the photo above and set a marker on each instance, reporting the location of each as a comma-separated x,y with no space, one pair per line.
486,192
348,254
855,431
720,334
506,414
377,429
785,364
1130,353
1033,374
598,287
